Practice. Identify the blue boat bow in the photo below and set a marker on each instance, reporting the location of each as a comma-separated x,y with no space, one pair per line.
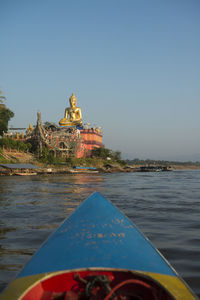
98,237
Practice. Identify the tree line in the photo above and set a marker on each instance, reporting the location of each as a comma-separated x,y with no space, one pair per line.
5,115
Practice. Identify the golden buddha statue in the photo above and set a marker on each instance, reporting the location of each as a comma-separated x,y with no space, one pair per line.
73,115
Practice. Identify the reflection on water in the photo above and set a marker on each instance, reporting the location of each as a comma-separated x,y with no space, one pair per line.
165,206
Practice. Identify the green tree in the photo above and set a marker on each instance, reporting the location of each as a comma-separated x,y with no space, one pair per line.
2,98
48,124
5,115
116,155
10,143
101,152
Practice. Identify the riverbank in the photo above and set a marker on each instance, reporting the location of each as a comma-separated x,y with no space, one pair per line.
97,165
88,165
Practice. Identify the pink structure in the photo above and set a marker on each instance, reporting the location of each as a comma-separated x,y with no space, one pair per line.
90,138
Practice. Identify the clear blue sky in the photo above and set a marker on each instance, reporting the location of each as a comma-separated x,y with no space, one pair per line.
134,66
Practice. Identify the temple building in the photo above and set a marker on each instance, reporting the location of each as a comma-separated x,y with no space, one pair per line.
71,138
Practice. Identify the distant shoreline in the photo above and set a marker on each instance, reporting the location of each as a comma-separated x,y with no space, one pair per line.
185,167
171,165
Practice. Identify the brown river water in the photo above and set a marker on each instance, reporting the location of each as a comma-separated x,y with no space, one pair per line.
165,206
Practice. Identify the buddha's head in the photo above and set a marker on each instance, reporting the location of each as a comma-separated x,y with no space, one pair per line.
72,101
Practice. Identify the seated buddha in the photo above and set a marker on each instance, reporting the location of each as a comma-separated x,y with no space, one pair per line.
73,115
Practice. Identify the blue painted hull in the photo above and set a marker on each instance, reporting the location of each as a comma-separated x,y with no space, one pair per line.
98,236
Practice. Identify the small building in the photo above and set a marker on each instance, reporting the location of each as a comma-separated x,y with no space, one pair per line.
18,169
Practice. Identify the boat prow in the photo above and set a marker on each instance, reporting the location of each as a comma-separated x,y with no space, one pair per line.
97,253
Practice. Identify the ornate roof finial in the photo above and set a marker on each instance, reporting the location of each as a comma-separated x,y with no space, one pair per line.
30,127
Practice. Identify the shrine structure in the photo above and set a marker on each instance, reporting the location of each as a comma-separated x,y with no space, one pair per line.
71,138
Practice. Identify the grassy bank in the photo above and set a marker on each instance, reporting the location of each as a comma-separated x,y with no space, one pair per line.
46,161
16,156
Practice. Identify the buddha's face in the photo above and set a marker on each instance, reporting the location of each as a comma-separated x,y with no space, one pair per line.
73,102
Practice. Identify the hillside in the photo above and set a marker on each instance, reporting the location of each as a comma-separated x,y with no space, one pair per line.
14,156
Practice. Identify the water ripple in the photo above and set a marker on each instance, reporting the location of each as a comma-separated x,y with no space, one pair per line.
164,206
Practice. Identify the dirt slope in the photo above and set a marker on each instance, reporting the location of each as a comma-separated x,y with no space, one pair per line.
18,156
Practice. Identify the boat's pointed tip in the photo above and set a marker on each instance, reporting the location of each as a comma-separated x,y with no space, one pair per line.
96,197
96,194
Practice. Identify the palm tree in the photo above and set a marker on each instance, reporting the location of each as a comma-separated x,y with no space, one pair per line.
2,97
